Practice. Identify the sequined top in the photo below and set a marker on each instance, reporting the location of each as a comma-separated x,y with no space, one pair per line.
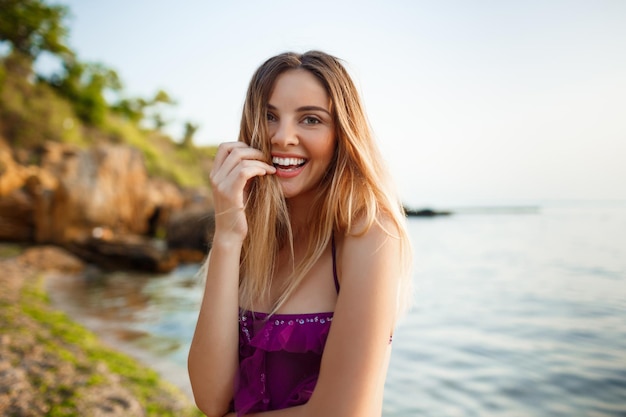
279,357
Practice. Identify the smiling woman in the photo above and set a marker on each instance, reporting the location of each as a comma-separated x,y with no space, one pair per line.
310,254
302,133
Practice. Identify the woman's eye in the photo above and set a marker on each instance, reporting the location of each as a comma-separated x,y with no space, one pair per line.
270,117
311,120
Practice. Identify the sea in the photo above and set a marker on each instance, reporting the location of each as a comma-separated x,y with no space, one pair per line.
519,311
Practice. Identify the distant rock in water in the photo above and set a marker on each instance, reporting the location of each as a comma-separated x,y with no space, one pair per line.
426,212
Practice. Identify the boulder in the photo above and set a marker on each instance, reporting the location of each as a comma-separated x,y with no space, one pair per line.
190,232
16,217
165,198
17,202
106,185
129,252
74,190
51,258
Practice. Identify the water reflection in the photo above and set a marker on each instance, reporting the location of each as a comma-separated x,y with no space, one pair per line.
149,316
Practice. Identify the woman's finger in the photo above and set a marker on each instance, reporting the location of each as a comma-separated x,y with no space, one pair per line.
235,180
229,190
233,156
227,150
238,155
224,149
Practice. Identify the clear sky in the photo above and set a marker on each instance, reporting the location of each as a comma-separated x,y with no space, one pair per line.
470,101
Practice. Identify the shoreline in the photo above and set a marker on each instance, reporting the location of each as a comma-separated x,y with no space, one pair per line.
110,334
52,365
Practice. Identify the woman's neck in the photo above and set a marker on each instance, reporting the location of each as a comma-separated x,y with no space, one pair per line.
299,214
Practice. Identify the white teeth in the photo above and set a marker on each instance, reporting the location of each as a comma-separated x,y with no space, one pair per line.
287,161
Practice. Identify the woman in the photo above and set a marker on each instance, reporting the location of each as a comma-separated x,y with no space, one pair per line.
309,264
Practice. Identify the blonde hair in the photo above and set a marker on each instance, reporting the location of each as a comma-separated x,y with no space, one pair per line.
356,187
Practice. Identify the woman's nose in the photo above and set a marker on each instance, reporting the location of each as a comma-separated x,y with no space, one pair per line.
285,134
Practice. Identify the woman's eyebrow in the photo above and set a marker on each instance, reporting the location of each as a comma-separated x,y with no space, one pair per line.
303,109
312,108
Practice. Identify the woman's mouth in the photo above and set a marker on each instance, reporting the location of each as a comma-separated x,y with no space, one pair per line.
288,164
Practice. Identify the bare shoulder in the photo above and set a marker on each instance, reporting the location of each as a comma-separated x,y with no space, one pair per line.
381,229
370,263
378,243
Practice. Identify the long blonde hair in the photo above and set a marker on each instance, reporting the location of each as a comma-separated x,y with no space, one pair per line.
356,187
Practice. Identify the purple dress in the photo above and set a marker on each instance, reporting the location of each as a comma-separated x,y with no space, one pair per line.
279,357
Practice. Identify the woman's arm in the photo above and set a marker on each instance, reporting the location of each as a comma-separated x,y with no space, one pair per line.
355,359
213,355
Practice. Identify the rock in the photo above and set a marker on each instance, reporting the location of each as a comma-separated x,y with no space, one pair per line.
16,217
189,256
106,185
74,190
132,252
191,229
11,174
425,212
100,204
18,397
165,198
108,402
51,258
20,202
99,197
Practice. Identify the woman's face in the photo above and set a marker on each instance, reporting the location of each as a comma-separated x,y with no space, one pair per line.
302,132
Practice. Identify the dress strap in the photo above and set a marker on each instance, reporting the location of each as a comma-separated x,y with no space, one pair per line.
332,246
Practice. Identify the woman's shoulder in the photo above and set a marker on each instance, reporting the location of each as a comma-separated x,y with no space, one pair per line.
370,245
370,272
380,227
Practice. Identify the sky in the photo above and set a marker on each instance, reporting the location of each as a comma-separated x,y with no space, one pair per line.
471,102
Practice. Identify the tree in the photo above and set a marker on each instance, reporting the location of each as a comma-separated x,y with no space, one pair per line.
153,109
162,97
85,86
139,109
31,26
190,131
131,109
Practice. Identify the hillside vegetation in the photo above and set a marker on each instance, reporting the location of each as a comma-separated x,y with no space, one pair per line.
83,103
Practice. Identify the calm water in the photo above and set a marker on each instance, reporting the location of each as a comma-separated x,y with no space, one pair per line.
515,315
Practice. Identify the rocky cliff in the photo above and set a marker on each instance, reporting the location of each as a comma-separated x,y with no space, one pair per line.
100,203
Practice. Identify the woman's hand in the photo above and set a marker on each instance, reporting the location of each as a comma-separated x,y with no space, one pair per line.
213,354
235,164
